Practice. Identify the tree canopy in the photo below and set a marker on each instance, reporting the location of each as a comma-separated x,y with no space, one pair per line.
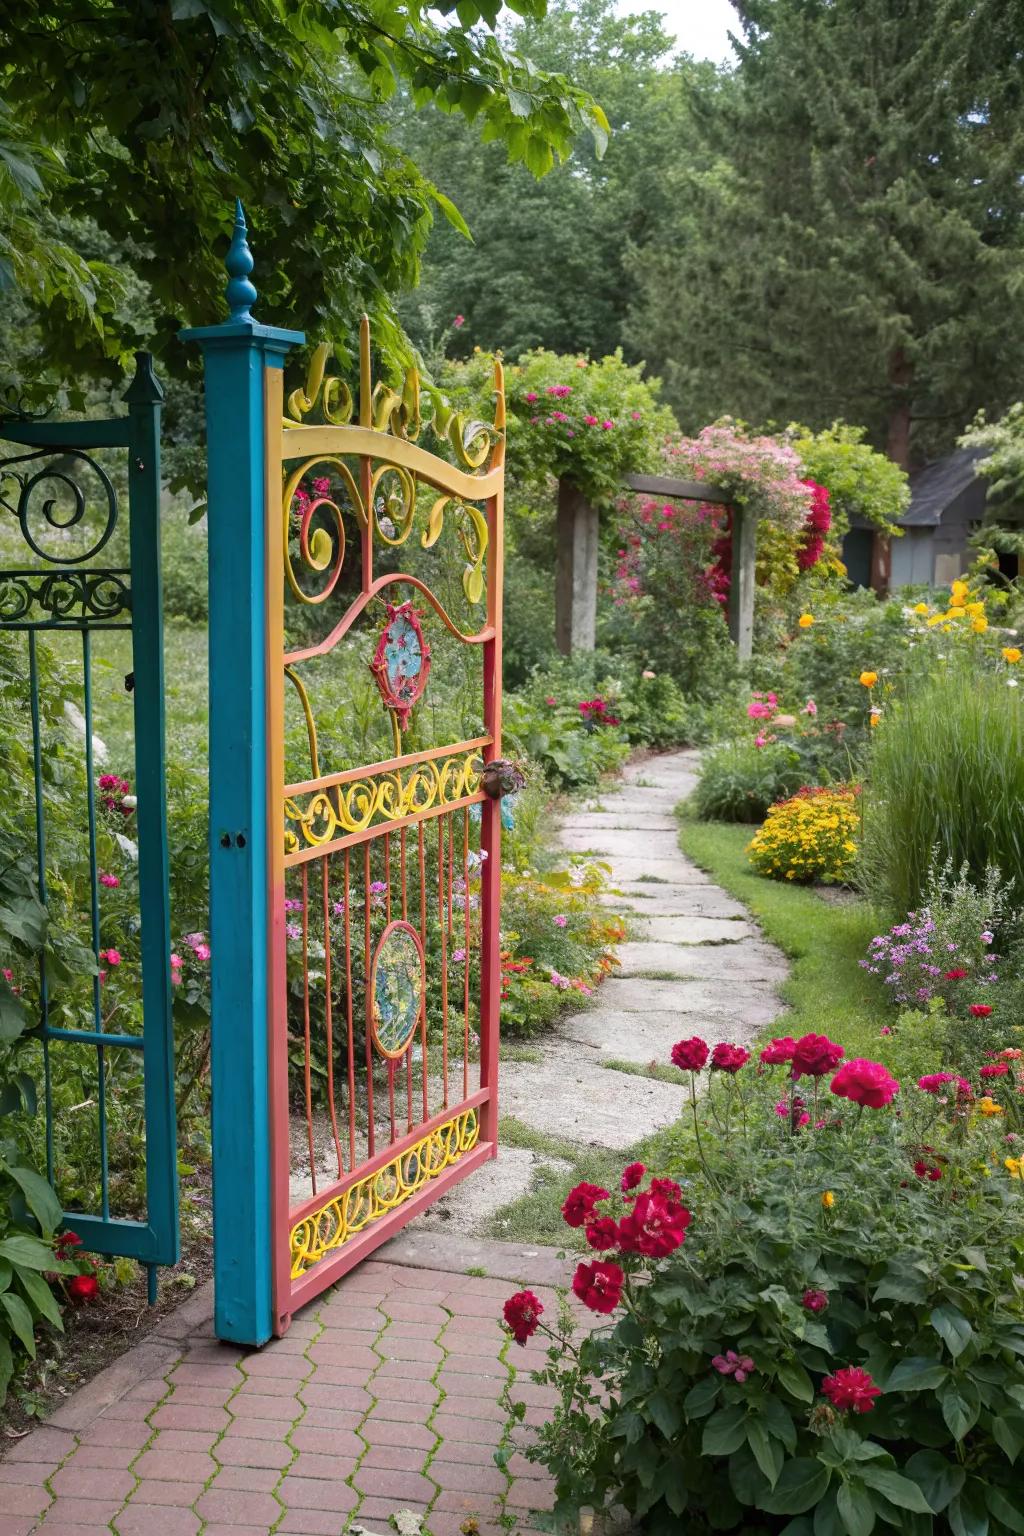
127,131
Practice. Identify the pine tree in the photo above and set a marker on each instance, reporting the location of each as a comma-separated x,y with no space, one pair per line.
860,229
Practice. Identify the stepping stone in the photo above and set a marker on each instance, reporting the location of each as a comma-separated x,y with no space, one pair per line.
570,1095
471,1204
667,871
650,900
752,961
628,842
648,1037
692,929
620,820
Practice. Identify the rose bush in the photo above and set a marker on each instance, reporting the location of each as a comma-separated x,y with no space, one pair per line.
815,1325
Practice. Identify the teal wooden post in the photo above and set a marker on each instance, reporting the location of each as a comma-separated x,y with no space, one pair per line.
145,398
237,354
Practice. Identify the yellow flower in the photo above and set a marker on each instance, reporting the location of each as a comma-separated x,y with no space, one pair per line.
979,625
988,1106
937,618
956,611
959,590
869,679
874,718
1012,654
975,609
828,1199
920,607
1015,1165
805,620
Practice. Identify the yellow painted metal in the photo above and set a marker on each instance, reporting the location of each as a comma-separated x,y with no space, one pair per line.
372,1197
322,813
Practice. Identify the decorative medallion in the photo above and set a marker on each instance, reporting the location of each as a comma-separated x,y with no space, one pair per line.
401,663
396,989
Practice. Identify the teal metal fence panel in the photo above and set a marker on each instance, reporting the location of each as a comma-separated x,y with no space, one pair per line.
59,480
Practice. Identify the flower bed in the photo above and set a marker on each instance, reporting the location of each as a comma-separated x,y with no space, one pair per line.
815,1322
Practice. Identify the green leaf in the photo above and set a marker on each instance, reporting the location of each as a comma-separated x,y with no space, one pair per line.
959,1410
1006,1437
664,1411
6,1366
13,1017
795,1379
800,1486
967,1514
39,1197
20,1319
855,1509
767,1450
725,1432
897,1488
1006,1513
41,1297
28,1251
953,1328
700,1399
451,213
938,1479
826,1517
919,1373
746,1479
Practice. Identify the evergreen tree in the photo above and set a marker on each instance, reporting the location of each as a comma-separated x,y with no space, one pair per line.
858,247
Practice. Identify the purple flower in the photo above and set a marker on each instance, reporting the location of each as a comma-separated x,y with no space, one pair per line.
293,930
987,937
377,888
560,920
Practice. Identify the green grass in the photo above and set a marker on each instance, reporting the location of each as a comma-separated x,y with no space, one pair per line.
655,1071
826,991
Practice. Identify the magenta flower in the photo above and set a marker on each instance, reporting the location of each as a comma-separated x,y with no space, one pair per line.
110,881
560,920
731,1364
459,322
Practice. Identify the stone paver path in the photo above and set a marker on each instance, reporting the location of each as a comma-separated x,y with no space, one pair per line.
694,964
388,1393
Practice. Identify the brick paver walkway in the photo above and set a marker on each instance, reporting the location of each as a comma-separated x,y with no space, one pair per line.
384,1395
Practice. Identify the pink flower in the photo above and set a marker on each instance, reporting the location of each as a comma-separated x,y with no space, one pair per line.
459,322
111,956
590,421
864,1082
810,708
606,426
814,1301
531,397
980,1010
728,1058
322,485
935,1081
814,1055
851,1388
778,1051
459,957
995,1069
560,920
551,701
201,951
731,1364
110,881
636,415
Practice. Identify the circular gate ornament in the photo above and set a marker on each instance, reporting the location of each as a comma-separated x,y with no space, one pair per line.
401,663
396,989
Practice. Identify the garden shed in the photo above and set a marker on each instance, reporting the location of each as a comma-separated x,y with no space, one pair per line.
947,503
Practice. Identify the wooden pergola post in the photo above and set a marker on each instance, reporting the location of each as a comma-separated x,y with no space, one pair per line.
576,534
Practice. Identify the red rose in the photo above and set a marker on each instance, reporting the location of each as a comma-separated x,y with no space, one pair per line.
995,1069
598,1285
64,1242
927,1170
690,1055
632,1176
814,1055
728,1058
779,1051
668,1189
603,1232
955,975
851,1388
815,1301
866,1083
654,1227
522,1314
980,1010
83,1288
580,1202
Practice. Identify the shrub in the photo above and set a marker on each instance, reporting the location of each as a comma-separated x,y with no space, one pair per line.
739,781
946,781
810,837
861,482
814,1325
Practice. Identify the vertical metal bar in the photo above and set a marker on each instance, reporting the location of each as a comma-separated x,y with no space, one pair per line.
387,876
371,1129
349,1020
405,890
466,953
490,827
307,1071
391,1098
94,912
44,996
423,940
328,1007
144,398
444,954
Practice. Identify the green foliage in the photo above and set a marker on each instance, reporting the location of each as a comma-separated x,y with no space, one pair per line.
29,1216
855,179
945,782
150,120
809,1253
1003,444
586,422
739,781
861,482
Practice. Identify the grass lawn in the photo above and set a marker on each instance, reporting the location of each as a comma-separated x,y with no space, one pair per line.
826,992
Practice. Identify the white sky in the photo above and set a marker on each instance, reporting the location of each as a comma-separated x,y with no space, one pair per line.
701,26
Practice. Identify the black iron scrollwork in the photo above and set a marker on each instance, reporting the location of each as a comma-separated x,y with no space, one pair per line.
53,493
62,597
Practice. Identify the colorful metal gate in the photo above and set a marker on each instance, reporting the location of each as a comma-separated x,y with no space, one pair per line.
355,856
85,571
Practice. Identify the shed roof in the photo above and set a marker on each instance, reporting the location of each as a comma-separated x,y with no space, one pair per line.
936,487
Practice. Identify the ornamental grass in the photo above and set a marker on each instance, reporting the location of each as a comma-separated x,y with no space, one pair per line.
945,783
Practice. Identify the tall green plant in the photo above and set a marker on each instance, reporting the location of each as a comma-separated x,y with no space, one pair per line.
945,782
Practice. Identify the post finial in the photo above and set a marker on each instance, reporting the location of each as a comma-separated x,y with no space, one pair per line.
239,292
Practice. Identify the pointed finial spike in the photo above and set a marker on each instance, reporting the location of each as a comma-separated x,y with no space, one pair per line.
239,292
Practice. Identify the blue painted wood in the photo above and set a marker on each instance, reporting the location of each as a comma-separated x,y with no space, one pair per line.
144,399
236,355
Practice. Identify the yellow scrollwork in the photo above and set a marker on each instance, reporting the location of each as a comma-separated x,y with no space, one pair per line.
319,550
369,1199
330,810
